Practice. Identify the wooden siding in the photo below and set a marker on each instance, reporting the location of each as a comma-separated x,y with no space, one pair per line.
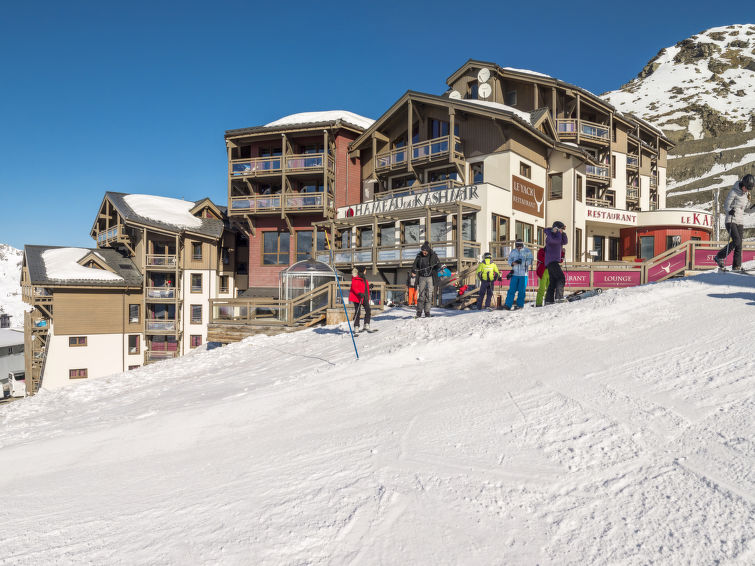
209,254
620,145
523,144
480,136
93,311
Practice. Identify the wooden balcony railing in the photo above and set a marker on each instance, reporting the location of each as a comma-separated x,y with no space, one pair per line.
654,181
430,150
633,193
569,127
601,202
108,235
162,260
261,204
400,254
162,325
161,292
633,162
601,172
294,163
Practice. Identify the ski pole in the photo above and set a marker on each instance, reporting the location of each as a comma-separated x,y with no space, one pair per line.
340,293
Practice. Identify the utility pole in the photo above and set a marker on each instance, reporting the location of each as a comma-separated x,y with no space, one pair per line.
716,217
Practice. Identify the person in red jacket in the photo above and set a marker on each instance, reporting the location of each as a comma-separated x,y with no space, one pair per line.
543,275
359,294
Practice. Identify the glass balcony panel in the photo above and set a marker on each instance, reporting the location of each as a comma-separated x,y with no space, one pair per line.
161,292
161,325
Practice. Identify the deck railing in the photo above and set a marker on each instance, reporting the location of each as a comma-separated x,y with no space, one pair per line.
162,325
162,260
633,193
633,162
160,292
400,254
273,203
601,202
598,171
418,189
568,127
107,235
429,150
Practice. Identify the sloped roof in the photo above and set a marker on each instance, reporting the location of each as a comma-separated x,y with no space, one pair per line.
211,227
309,120
126,271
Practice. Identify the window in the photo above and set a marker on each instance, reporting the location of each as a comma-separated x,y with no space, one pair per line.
647,247
438,128
224,287
598,243
226,256
469,227
196,251
444,175
276,247
387,235
478,172
196,282
555,186
241,269
133,343
345,239
577,244
540,236
195,340
525,170
303,244
77,341
137,366
613,134
133,314
613,166
196,314
473,86
365,237
438,230
412,232
499,231
322,244
579,188
77,374
524,231
673,241
511,98
613,249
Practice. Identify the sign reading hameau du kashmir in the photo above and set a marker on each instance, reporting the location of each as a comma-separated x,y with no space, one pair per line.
445,196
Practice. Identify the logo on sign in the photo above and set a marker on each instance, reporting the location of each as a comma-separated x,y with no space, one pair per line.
527,197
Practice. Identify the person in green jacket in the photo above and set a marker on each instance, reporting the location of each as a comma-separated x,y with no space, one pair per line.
488,274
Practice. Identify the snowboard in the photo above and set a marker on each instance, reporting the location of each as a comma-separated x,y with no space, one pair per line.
579,295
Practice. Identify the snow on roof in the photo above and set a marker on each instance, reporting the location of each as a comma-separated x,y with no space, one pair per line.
324,116
526,116
61,263
164,209
527,71
11,337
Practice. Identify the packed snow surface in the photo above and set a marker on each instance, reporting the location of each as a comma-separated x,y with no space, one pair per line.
526,71
61,264
325,116
11,302
613,430
526,116
164,209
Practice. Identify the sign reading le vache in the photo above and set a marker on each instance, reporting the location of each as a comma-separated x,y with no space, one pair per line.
417,201
527,197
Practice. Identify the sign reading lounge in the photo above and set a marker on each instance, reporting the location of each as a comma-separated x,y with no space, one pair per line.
421,200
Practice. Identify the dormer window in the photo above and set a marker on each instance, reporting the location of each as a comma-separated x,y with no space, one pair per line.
511,98
472,90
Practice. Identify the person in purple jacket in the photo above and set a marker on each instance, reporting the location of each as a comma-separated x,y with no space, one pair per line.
555,240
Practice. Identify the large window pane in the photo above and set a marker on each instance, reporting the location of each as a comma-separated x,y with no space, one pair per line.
303,244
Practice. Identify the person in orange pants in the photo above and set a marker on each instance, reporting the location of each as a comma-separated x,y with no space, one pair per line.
411,288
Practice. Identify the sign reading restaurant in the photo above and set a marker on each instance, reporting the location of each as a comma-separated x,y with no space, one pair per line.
611,215
527,197
420,200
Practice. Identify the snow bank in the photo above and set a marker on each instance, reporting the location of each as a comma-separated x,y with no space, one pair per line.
614,430
61,263
526,116
325,116
164,209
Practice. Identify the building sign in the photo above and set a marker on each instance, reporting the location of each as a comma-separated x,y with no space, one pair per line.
421,200
684,218
611,216
617,278
706,257
527,197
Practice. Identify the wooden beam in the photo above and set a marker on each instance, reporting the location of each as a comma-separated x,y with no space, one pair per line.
288,223
250,223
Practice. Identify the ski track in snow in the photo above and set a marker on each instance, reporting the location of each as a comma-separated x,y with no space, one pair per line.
604,431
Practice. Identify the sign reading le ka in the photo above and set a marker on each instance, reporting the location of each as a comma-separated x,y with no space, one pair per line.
527,197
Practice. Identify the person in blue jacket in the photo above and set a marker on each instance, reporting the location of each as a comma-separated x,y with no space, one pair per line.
520,259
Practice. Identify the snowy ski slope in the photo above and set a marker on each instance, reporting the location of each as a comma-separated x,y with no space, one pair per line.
614,430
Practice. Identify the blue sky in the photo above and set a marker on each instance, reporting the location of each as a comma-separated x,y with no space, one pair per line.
136,96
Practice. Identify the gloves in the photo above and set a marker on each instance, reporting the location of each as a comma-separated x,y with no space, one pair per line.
509,275
360,295
731,212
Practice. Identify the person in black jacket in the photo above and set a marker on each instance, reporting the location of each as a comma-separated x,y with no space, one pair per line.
426,266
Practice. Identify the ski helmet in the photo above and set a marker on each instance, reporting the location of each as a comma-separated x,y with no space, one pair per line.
748,182
558,224
486,255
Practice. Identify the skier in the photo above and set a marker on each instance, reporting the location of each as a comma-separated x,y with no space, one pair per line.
542,275
411,288
555,239
359,294
487,273
426,267
736,201
520,259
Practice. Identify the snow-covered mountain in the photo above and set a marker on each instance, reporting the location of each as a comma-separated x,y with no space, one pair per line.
614,430
10,285
701,93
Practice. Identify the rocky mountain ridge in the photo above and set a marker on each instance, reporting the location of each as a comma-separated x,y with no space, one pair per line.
701,93
10,284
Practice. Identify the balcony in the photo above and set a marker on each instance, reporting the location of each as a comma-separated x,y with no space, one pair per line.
633,162
654,181
422,152
151,356
160,293
598,172
295,163
569,128
168,261
400,254
633,192
161,325
291,202
108,236
418,189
